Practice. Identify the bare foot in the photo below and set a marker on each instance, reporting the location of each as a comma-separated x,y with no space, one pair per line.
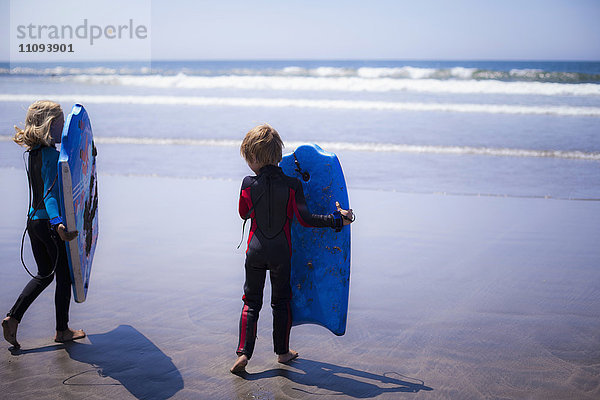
68,335
287,357
9,326
240,364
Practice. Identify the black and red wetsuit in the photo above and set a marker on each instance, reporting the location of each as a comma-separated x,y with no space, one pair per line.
271,199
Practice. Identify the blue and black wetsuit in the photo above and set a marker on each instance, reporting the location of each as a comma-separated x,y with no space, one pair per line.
48,249
271,199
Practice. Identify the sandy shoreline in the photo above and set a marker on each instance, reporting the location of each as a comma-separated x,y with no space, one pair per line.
451,297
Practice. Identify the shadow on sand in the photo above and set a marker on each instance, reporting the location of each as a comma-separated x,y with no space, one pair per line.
341,380
17,351
127,356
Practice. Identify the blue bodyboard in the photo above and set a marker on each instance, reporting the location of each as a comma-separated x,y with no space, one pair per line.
79,196
320,276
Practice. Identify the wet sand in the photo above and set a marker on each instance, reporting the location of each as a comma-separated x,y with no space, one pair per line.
452,297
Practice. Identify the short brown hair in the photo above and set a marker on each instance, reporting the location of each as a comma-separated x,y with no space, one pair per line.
262,145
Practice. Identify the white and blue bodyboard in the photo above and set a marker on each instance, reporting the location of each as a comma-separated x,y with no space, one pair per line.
79,196
320,276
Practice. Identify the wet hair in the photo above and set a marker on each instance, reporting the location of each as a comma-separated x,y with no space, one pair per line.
262,145
40,116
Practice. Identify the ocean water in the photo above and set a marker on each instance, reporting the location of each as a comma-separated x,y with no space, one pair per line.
526,129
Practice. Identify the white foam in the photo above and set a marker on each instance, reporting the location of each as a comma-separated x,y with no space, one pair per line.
371,147
310,103
331,71
462,73
294,71
65,71
369,81
462,150
365,147
525,72
404,72
168,141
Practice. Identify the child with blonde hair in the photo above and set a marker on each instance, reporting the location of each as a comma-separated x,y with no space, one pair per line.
271,199
47,232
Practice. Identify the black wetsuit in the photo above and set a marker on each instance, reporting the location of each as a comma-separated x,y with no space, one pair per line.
271,199
48,249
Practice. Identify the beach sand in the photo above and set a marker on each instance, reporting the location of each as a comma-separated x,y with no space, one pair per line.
452,297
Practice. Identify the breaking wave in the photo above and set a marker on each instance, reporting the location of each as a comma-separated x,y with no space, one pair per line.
339,83
404,72
311,103
369,147
366,147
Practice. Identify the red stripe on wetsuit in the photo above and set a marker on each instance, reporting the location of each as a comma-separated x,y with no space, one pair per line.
244,207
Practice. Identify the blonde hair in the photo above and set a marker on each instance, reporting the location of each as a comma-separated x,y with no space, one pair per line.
40,116
262,145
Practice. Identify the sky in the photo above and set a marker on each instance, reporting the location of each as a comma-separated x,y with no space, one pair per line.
308,29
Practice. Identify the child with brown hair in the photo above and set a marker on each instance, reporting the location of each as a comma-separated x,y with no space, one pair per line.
271,199
47,232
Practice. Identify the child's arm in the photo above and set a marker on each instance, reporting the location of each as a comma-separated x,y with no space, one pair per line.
245,199
306,218
51,187
51,191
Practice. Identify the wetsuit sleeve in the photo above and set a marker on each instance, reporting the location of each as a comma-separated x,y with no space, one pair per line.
245,203
306,218
50,178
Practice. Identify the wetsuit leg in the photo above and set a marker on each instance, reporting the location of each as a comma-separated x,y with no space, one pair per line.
253,295
281,294
44,247
62,295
